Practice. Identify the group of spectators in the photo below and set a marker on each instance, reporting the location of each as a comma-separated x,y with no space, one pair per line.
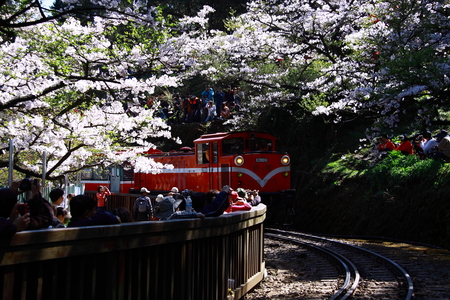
39,213
191,204
210,105
424,145
35,213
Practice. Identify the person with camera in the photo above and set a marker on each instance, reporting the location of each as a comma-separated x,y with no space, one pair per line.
102,197
252,197
12,218
41,211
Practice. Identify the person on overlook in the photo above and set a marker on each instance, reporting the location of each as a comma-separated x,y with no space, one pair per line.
219,98
225,112
429,144
405,146
385,144
208,93
211,111
443,147
229,97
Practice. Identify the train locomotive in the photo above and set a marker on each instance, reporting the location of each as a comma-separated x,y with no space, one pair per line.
239,159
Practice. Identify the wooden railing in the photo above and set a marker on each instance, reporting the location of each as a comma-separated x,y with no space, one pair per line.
178,259
117,200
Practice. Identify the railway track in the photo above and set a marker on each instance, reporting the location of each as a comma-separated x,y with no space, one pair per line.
348,271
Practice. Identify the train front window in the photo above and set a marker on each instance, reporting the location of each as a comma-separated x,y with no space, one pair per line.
260,144
100,173
203,153
86,173
233,146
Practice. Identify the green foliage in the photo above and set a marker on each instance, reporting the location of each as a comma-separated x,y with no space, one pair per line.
399,170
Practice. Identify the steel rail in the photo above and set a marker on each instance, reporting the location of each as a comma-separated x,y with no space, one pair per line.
405,274
346,290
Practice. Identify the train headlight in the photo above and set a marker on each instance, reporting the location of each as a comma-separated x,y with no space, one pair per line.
285,160
239,160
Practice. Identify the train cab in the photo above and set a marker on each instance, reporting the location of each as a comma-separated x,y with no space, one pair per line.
245,159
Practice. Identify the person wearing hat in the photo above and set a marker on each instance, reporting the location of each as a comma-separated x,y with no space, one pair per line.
175,193
168,210
158,200
142,208
165,208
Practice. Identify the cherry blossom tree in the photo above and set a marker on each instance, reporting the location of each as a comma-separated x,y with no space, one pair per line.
78,93
345,59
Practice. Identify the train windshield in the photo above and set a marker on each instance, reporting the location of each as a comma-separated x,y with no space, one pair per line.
260,144
233,146
203,153
94,173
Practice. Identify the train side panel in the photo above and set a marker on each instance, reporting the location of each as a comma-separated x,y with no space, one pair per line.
186,174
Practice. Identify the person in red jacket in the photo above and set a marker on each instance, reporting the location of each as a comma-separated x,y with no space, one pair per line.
385,144
102,197
237,203
405,146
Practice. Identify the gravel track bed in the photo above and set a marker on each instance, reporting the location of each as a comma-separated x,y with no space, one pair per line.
294,273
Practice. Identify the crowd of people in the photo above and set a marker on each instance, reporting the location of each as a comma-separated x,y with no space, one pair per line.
83,210
211,104
424,145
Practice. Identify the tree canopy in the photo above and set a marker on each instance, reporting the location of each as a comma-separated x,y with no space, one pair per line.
78,88
383,60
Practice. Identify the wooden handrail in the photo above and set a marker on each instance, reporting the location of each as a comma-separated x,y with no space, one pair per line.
176,259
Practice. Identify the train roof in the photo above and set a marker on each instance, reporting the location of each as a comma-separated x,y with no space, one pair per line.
223,135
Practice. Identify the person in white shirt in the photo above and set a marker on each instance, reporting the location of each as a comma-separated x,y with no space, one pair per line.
428,144
211,111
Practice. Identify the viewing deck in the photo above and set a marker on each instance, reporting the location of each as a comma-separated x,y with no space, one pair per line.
177,259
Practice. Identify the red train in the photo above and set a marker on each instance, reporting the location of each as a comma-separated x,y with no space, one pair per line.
238,159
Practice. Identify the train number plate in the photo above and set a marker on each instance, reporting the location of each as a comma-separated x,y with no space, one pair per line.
261,160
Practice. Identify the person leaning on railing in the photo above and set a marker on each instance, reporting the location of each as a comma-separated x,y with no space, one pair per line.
219,204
